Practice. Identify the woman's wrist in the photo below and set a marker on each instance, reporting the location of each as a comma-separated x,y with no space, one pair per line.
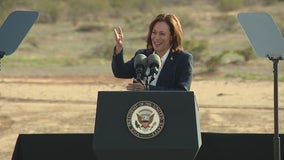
118,49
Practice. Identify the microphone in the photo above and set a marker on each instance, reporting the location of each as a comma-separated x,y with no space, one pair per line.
154,63
140,65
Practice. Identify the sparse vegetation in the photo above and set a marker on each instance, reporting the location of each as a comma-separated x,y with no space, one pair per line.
74,33
247,53
214,62
228,5
196,48
226,23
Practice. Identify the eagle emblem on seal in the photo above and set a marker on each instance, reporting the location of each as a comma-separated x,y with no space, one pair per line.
145,119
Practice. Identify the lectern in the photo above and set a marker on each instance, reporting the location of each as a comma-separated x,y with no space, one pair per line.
152,125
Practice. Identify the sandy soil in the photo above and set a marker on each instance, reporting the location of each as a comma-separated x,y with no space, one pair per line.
68,104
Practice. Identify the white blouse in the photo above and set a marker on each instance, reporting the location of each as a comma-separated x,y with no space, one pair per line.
163,59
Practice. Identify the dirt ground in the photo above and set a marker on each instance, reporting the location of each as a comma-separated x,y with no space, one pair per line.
68,104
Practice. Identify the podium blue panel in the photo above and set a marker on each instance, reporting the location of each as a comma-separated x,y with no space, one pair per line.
180,138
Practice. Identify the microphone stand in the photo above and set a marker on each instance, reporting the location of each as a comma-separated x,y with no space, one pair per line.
148,82
276,139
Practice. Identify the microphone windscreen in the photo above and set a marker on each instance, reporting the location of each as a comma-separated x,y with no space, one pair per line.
140,59
154,59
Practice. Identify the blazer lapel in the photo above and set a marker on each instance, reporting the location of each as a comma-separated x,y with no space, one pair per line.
167,71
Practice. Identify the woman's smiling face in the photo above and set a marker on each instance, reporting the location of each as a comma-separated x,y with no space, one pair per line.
161,38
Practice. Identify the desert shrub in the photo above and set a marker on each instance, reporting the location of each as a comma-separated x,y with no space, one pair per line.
281,28
103,49
85,10
268,2
227,23
247,53
279,21
196,48
138,21
90,27
127,5
228,5
175,2
214,62
49,10
5,7
188,21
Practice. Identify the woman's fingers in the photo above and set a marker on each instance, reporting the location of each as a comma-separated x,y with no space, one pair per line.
115,34
118,34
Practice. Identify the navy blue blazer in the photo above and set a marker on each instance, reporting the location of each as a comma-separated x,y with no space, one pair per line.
176,73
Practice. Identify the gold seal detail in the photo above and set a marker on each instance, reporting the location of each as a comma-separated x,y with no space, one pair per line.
145,120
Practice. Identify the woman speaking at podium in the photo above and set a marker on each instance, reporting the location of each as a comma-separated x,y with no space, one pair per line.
163,65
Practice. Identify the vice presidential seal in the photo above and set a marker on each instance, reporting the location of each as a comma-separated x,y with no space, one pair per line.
145,119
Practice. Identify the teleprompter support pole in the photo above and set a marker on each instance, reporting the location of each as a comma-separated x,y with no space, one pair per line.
1,56
276,139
